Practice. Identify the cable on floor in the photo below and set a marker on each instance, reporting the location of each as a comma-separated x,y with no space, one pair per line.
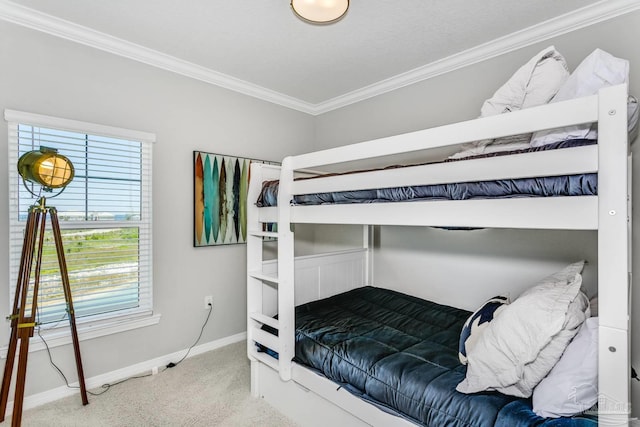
107,386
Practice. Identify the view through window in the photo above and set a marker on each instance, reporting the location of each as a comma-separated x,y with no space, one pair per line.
105,221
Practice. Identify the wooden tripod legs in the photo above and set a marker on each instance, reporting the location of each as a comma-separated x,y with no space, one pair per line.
23,317
64,275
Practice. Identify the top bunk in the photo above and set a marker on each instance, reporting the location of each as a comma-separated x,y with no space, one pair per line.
603,167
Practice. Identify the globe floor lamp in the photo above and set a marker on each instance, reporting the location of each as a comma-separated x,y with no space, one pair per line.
52,171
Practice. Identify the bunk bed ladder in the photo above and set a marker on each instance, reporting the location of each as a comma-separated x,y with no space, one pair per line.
262,286
271,285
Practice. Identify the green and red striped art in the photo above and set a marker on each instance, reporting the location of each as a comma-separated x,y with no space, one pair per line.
220,199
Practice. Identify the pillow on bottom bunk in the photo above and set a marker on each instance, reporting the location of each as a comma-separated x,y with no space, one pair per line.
572,385
477,322
519,347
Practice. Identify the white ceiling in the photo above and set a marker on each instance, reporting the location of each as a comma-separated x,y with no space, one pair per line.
260,48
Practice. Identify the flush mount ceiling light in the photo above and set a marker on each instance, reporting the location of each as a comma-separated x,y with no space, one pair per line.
320,11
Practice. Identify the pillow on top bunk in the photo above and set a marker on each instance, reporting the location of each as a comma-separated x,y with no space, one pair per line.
598,70
522,141
572,385
519,347
633,114
499,145
478,321
632,121
535,83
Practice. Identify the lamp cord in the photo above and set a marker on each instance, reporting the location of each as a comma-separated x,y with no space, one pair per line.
105,387
172,364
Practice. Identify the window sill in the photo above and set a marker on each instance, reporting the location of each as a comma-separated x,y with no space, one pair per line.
89,329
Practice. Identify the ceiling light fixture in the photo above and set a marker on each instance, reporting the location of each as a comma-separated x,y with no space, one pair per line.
320,11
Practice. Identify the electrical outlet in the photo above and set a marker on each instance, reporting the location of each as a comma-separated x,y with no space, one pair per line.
208,301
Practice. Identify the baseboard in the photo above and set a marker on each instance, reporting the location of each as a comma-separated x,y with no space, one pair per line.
44,397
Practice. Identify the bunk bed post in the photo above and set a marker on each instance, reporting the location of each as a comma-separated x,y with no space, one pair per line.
614,248
286,272
367,243
254,263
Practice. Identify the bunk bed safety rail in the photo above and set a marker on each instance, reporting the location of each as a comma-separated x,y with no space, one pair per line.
566,113
576,160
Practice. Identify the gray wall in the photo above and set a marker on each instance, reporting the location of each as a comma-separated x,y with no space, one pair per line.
432,262
48,75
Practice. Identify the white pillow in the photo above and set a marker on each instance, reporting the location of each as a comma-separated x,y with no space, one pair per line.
535,83
633,113
508,143
572,385
519,347
593,306
600,69
632,121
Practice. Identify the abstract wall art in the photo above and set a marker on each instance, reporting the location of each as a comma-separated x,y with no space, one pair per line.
220,198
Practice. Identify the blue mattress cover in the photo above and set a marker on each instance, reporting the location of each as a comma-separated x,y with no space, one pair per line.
571,185
401,353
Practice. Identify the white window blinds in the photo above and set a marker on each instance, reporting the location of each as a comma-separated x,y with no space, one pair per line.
104,213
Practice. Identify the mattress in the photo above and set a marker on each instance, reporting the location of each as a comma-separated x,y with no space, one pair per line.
401,353
570,185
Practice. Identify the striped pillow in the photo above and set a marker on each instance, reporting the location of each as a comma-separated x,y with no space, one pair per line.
477,322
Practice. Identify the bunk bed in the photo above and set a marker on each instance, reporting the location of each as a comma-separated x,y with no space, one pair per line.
288,295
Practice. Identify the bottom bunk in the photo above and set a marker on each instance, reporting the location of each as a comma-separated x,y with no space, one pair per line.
397,353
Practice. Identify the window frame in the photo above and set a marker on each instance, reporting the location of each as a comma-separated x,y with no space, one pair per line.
96,325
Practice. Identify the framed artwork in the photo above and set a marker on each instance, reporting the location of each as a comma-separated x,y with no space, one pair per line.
220,186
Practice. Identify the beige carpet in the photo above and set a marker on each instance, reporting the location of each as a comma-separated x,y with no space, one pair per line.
211,389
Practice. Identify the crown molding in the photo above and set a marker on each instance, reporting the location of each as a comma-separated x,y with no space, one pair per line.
563,24
54,26
580,18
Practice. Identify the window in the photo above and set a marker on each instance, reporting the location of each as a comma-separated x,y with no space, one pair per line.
104,214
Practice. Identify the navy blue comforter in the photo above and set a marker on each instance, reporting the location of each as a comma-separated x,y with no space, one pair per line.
571,185
401,353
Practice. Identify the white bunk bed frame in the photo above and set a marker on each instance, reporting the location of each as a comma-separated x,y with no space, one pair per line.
277,286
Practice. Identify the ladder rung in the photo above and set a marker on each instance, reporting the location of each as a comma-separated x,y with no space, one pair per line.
265,338
272,234
261,276
265,320
266,359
